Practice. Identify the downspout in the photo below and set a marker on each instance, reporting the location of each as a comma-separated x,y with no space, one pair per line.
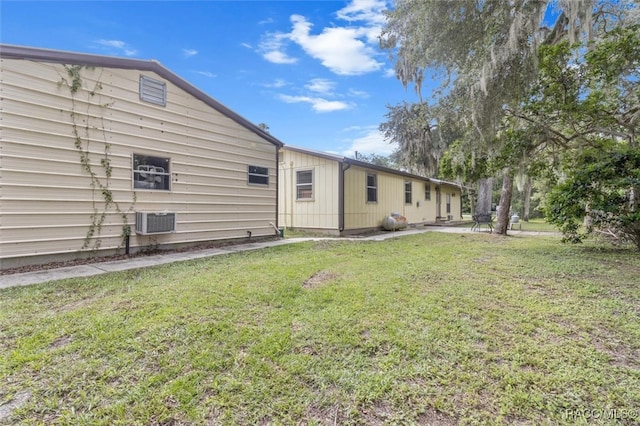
277,187
290,212
282,205
341,195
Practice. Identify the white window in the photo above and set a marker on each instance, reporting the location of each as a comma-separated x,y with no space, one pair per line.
258,175
153,91
151,172
407,192
304,185
427,191
372,188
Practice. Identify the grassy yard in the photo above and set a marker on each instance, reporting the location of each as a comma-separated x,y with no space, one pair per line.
427,329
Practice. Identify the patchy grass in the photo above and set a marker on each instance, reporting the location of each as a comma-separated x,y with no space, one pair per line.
425,329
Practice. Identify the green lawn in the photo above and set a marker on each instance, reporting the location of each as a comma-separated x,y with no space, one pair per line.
425,329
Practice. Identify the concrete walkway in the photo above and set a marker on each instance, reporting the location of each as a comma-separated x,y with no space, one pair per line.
86,270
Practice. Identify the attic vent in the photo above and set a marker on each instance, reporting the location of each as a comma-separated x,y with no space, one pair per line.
153,91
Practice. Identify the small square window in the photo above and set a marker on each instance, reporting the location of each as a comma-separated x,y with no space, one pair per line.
304,185
258,175
151,172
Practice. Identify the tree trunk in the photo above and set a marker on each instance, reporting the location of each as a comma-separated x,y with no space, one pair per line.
471,194
485,192
505,203
527,199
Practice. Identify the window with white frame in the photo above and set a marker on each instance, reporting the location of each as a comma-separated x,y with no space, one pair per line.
258,175
304,185
448,203
427,191
407,192
151,172
372,188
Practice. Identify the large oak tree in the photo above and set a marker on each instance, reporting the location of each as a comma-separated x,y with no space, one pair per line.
485,53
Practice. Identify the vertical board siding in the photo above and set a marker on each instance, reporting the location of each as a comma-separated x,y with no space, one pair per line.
360,214
321,212
46,196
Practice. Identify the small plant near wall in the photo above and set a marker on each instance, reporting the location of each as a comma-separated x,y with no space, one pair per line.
99,176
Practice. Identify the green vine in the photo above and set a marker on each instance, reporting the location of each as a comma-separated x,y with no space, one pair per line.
101,187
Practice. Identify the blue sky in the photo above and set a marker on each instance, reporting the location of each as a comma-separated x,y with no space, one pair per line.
311,70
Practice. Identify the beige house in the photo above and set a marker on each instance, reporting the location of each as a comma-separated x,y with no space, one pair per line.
333,194
101,155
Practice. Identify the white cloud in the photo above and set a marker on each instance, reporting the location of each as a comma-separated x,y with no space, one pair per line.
339,49
272,48
277,83
321,85
112,43
247,45
390,73
318,104
120,46
369,140
206,74
364,10
278,57
345,50
189,52
358,93
266,21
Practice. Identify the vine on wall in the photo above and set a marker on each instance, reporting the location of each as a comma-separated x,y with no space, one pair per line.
100,183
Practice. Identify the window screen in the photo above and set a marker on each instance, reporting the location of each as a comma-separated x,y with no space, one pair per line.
151,172
258,175
304,185
407,192
372,188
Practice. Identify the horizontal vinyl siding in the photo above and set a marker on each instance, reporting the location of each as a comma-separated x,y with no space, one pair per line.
321,212
46,196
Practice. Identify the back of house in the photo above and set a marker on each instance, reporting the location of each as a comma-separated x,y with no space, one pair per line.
100,155
329,193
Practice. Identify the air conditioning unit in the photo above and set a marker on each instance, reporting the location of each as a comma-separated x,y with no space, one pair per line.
155,223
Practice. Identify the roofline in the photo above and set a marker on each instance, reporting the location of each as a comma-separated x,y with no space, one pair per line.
8,51
321,154
343,159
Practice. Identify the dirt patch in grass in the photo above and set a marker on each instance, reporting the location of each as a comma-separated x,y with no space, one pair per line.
318,279
61,342
78,304
436,418
6,410
325,416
